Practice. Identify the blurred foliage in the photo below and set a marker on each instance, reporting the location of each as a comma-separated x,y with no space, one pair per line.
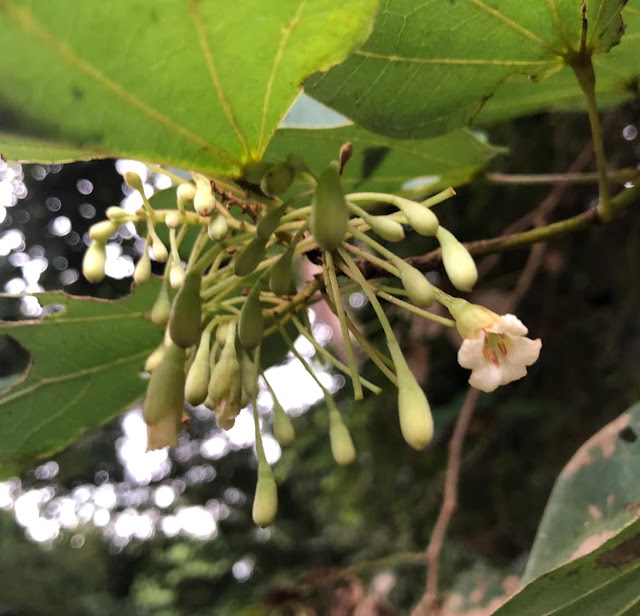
338,528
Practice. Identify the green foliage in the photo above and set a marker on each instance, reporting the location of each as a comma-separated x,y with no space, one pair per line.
603,582
86,361
200,85
429,67
383,164
595,495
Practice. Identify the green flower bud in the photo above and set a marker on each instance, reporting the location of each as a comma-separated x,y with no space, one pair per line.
222,331
329,214
297,163
153,361
250,385
277,180
226,371
186,312
254,172
197,383
283,429
94,261
471,319
185,193
142,272
265,501
416,421
247,261
133,179
162,306
165,396
341,444
251,322
421,218
218,227
281,275
415,284
103,230
458,262
269,223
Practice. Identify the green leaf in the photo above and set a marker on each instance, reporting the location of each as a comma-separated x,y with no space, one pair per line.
384,164
616,76
85,370
603,583
195,84
595,495
429,65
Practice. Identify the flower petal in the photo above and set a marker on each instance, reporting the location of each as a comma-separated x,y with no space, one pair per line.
509,324
486,378
524,351
470,353
511,372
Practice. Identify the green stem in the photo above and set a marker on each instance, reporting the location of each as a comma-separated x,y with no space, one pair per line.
411,308
620,176
337,300
328,356
583,70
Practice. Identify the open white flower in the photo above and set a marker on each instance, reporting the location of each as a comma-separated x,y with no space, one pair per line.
494,348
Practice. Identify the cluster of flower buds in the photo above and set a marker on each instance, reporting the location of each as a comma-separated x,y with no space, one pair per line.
239,285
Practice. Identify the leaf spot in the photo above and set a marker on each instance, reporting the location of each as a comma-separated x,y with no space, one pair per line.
622,554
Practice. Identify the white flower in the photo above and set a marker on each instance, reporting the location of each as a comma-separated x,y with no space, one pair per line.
494,348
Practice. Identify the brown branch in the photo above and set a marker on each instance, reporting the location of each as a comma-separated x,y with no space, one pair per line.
449,504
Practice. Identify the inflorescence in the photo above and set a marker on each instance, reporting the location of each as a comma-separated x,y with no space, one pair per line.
239,285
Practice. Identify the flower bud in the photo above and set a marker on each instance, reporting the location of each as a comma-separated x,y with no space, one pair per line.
176,275
162,306
265,501
153,361
415,284
142,272
218,227
249,377
416,421
247,261
280,276
133,179
160,252
329,214
283,429
226,371
277,180
386,227
251,322
118,215
103,230
341,444
421,218
172,220
204,201
458,262
185,193
163,404
254,172
94,261
186,312
197,383
269,223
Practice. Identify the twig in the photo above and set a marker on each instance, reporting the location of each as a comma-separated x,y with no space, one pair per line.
617,175
449,503
432,260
